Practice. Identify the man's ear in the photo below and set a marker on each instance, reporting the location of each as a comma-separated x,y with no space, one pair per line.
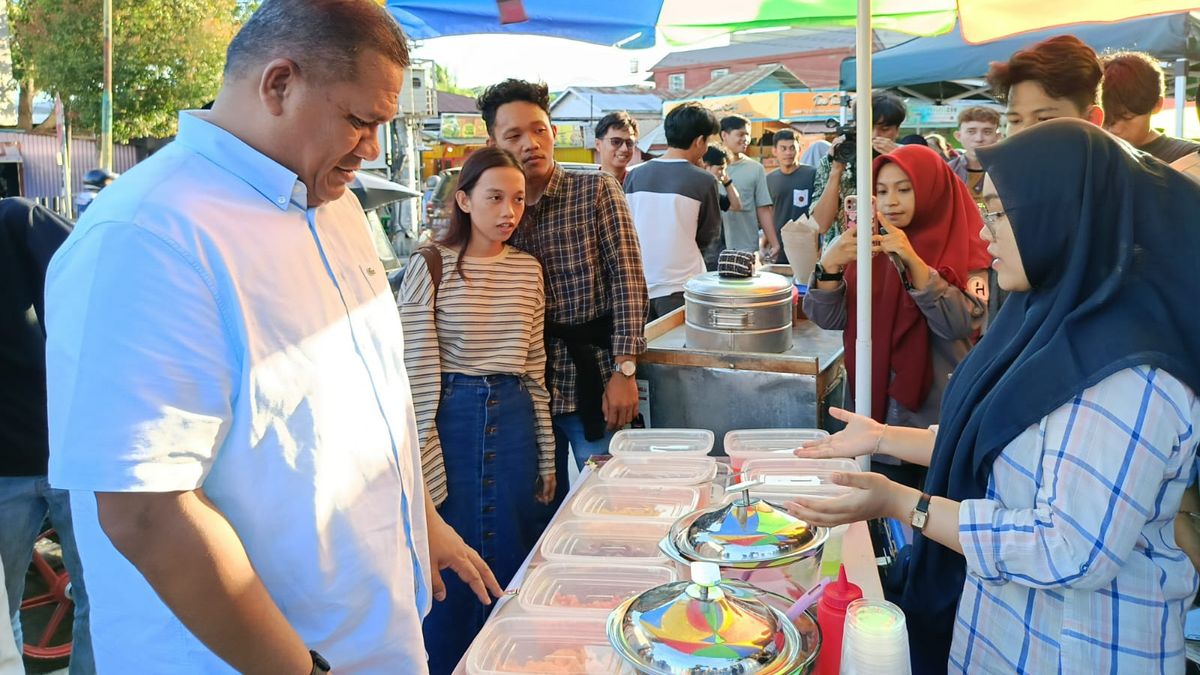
491,141
1158,106
279,80
1095,115
958,136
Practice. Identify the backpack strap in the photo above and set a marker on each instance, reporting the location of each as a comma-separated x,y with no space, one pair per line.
433,261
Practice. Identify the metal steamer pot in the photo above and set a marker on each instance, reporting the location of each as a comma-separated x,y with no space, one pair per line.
712,626
739,315
750,540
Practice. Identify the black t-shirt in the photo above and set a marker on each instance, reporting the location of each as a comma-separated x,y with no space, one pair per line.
29,236
792,194
1168,148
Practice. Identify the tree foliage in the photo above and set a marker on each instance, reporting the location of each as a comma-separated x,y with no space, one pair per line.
167,56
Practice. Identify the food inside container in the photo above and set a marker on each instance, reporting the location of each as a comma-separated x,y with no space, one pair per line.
658,470
796,476
539,644
581,587
615,540
674,442
615,500
743,445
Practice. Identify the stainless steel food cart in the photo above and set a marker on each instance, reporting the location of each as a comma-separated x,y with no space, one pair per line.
690,388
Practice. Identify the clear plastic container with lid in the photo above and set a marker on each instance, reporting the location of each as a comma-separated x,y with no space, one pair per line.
655,469
673,442
797,476
743,445
545,644
614,541
617,500
596,588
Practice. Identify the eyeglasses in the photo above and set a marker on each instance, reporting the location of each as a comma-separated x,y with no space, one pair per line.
616,142
990,218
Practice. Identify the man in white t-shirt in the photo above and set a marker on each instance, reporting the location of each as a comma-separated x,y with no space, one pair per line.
675,208
228,404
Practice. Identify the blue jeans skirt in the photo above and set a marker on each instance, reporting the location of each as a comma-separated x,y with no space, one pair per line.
489,444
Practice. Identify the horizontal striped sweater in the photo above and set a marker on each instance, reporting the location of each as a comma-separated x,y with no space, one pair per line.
491,323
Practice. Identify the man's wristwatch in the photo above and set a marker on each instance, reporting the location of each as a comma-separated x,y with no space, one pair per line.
627,368
822,275
320,665
920,514
727,182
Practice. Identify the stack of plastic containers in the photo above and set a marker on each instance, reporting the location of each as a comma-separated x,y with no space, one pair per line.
540,643
662,457
743,445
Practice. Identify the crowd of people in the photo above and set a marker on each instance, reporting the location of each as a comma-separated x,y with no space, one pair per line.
260,460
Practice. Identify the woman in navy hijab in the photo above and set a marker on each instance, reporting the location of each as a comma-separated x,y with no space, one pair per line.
1044,539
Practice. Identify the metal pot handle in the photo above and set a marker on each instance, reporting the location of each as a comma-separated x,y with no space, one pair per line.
730,318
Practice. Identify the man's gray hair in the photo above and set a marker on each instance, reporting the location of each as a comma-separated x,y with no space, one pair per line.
323,37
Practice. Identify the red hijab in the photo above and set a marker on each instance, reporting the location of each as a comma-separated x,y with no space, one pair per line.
945,233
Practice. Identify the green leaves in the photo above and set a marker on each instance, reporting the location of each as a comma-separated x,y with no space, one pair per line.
167,55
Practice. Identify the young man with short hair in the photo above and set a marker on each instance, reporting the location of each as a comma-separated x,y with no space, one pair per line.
978,127
1057,77
791,185
616,141
579,226
889,111
1132,93
741,226
675,209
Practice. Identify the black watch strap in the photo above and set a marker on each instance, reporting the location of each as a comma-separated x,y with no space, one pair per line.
920,514
822,275
320,665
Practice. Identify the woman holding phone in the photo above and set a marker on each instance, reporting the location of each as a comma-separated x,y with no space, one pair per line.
923,317
1044,541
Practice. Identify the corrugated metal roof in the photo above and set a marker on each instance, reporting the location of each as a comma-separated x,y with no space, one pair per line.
745,82
596,101
41,175
455,103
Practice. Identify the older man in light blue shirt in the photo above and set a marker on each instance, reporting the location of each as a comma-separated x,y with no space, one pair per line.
227,395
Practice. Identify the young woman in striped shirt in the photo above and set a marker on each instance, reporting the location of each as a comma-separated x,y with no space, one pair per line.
476,359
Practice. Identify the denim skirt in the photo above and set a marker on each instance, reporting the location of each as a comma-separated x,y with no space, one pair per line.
489,444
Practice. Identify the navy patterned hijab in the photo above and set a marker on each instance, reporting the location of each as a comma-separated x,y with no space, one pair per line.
1110,241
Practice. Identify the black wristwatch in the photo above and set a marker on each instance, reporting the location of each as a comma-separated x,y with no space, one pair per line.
727,182
320,665
822,275
920,514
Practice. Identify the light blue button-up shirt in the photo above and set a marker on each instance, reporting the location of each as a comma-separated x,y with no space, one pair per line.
208,330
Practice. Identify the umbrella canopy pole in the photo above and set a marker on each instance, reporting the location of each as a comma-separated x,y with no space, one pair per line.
1181,66
863,117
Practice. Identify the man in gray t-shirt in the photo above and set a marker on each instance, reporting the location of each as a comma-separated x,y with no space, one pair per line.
742,227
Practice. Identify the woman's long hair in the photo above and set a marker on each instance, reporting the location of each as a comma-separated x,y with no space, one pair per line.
458,233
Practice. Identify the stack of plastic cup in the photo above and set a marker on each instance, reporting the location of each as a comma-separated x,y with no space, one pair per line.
875,639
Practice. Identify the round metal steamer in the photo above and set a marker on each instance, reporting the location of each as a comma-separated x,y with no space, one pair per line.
756,542
739,315
712,626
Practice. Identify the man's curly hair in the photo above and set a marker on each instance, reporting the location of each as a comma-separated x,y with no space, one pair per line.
508,91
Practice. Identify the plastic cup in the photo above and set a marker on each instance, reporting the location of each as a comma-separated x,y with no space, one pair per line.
875,639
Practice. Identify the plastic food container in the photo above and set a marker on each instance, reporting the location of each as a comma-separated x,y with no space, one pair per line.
587,588
610,540
652,469
674,442
746,444
616,500
796,476
540,644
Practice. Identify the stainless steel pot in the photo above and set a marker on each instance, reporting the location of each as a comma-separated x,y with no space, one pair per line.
751,540
739,315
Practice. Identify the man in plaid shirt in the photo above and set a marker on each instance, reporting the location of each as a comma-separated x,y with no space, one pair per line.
580,228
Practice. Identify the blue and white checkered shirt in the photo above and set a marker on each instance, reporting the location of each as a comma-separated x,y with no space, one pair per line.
1072,565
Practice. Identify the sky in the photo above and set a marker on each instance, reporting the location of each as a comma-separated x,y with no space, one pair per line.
480,60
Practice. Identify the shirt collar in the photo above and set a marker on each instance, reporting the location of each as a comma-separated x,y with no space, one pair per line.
269,178
556,178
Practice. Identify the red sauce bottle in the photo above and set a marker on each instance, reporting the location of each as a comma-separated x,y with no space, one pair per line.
831,617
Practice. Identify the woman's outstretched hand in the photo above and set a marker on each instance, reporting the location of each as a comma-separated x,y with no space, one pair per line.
860,437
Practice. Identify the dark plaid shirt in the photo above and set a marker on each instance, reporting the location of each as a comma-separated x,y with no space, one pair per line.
582,232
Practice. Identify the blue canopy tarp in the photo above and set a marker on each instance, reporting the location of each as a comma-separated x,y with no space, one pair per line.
948,57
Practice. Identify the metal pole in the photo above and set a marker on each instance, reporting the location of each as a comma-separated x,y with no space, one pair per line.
863,119
106,111
63,131
1181,67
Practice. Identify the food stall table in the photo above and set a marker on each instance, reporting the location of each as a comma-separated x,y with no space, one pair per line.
857,555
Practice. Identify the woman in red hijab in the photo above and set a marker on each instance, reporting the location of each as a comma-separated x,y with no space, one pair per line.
923,253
